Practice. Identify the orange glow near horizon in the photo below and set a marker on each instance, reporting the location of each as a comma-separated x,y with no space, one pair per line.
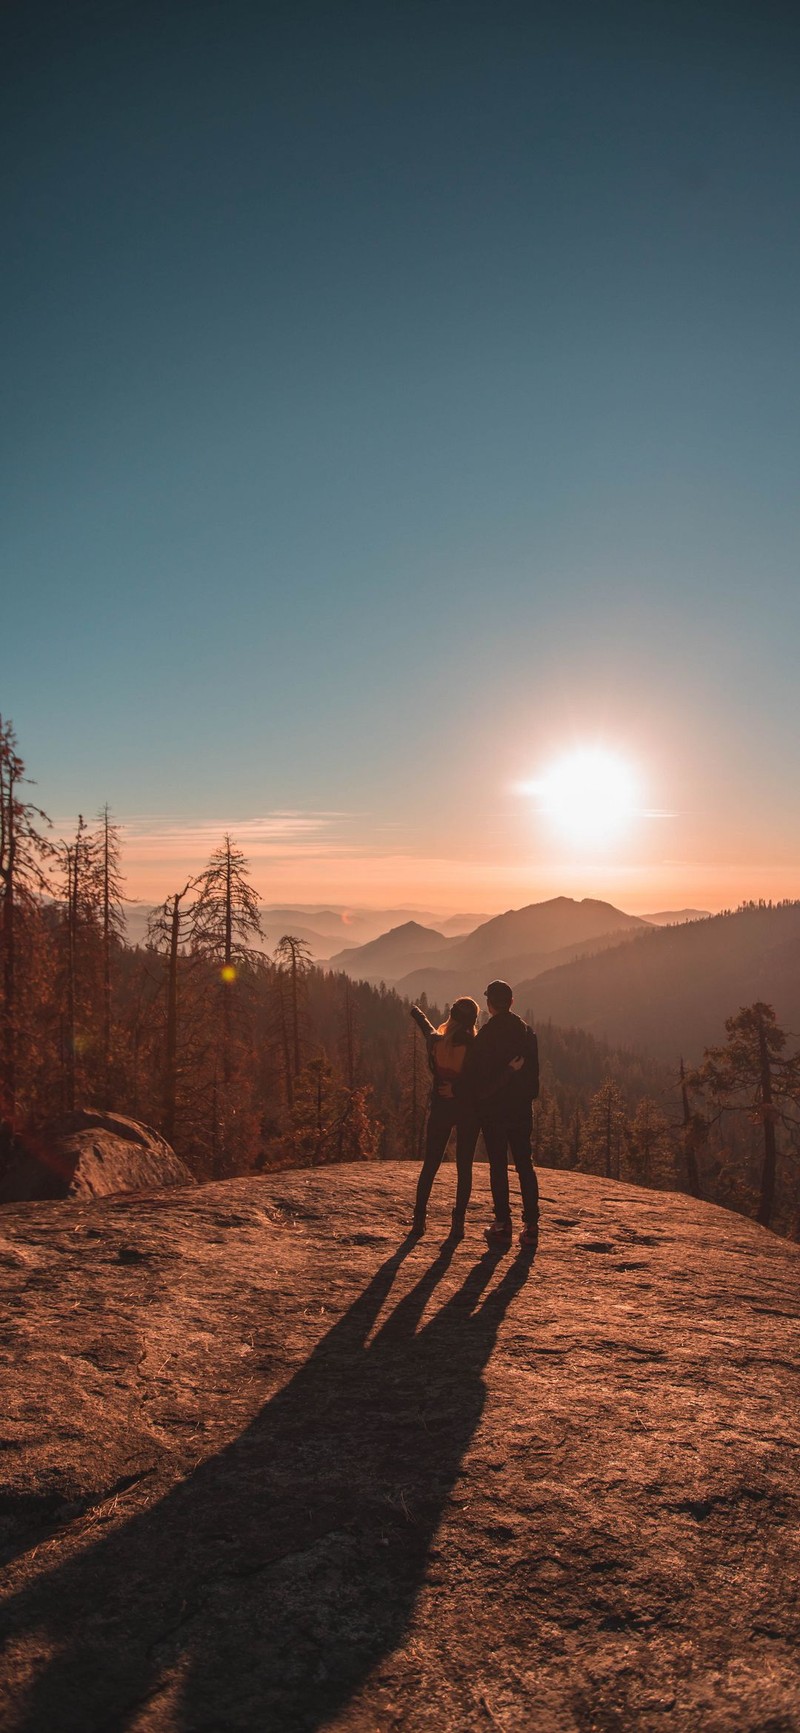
359,879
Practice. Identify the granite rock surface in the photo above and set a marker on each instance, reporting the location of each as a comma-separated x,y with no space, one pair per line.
269,1466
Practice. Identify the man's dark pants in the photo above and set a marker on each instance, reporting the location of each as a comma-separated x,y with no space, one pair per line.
499,1139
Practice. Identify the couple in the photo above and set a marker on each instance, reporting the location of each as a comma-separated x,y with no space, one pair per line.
484,1081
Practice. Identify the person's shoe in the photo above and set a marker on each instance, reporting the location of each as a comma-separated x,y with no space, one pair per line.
529,1238
498,1236
456,1226
417,1227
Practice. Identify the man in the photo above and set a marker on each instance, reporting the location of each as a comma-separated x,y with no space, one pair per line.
501,1071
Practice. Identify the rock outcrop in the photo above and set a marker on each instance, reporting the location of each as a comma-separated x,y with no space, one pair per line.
91,1154
269,1466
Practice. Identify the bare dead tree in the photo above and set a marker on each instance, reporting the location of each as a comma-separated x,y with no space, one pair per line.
293,959
167,930
106,857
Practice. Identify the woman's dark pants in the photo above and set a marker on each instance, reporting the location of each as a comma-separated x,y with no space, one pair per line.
443,1115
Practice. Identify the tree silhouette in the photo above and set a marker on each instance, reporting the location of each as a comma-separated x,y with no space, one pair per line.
752,1074
226,917
168,928
225,921
416,1091
348,1034
108,883
292,961
605,1132
80,909
24,857
330,1121
548,1131
695,1134
650,1152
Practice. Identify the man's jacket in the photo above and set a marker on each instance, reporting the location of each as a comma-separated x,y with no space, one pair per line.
502,1097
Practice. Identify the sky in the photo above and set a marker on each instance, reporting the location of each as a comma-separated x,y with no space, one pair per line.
399,398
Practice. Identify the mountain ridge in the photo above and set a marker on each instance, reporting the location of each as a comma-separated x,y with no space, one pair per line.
374,957
496,948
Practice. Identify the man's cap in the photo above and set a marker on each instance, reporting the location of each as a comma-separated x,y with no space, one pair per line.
499,995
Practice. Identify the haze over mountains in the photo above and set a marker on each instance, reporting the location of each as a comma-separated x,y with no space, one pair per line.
321,926
325,926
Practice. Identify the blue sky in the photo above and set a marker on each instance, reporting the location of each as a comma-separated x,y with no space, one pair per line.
395,396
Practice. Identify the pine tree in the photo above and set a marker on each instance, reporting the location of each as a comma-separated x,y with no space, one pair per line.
753,1074
108,882
695,1134
548,1130
330,1121
605,1132
348,1037
650,1153
24,858
417,1088
225,921
80,918
226,916
576,1139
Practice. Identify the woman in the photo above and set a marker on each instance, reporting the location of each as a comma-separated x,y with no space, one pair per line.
447,1048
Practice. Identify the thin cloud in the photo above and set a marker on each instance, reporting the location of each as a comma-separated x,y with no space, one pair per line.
161,831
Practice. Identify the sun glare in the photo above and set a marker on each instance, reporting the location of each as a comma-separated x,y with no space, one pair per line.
589,796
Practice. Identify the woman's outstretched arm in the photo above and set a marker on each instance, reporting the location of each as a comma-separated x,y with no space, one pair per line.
424,1023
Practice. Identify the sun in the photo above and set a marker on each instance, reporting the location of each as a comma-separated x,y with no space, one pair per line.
589,796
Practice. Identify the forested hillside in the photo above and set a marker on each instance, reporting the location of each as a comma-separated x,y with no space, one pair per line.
669,991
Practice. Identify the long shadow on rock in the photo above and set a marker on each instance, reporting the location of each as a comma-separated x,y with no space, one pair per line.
270,1582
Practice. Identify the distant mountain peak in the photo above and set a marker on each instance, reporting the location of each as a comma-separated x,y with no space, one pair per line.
409,927
393,952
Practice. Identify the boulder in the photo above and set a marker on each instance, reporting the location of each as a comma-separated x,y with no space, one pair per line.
91,1154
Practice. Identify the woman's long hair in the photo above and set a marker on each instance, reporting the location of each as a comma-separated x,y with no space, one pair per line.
457,1031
